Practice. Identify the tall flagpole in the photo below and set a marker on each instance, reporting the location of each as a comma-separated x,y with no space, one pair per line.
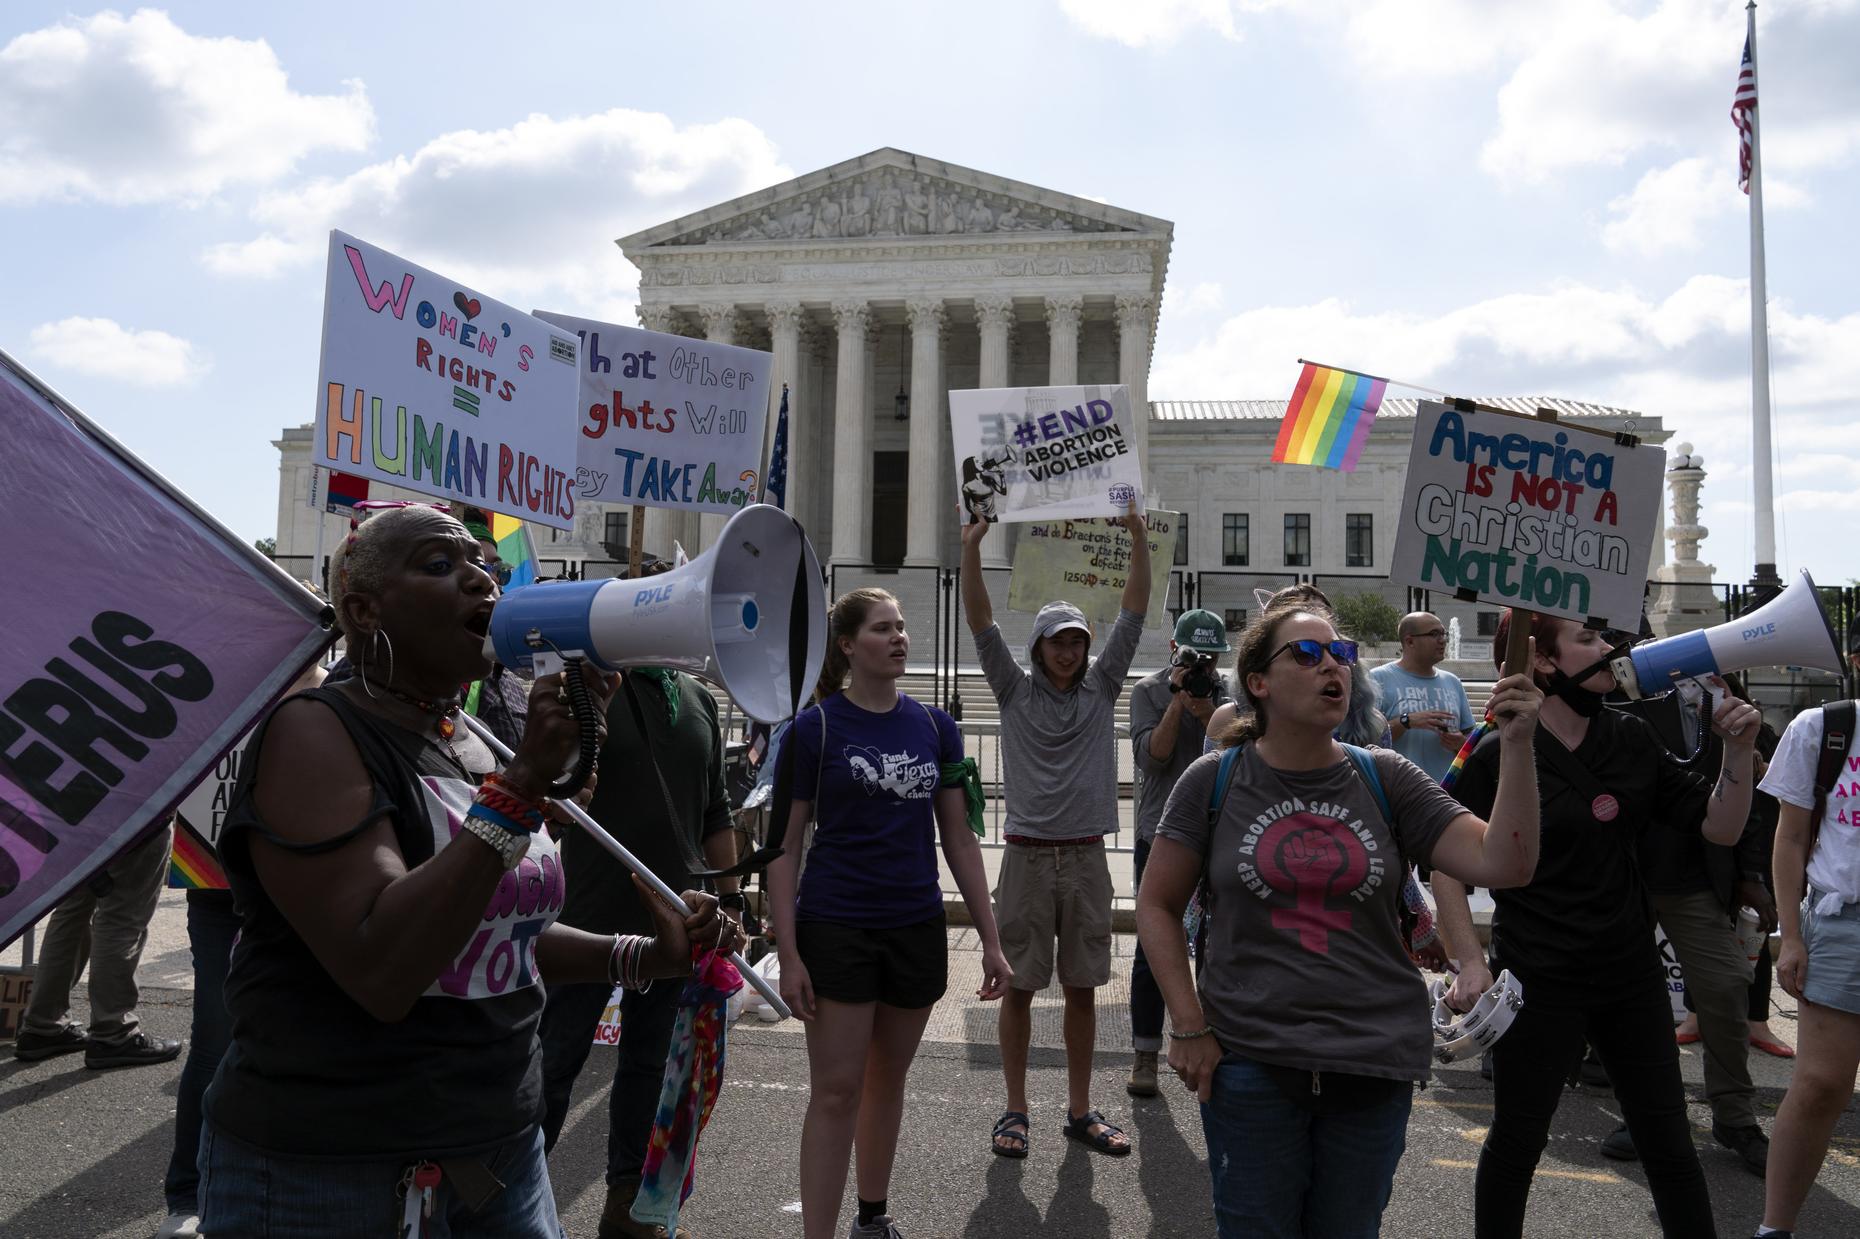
1764,579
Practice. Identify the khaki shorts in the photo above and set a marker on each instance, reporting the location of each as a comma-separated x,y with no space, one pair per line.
1055,894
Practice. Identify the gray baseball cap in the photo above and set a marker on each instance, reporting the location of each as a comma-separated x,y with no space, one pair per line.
1055,618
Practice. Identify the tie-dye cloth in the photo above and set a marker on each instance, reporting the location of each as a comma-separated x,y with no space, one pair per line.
693,1078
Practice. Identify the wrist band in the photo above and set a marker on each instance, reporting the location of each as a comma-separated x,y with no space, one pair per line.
503,784
625,964
1206,1030
496,803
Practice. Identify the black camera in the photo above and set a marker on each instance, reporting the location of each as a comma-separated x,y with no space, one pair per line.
1201,679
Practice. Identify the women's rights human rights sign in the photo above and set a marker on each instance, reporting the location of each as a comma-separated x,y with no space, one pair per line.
1045,453
432,386
1526,512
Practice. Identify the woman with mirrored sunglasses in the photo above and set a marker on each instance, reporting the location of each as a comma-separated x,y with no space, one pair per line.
1306,1031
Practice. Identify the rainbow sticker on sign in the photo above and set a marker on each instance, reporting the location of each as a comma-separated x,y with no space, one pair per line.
1328,418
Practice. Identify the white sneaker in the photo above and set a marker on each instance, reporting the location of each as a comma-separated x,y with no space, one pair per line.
880,1227
179,1226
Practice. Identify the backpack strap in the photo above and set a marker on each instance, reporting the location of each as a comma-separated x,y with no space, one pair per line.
1366,766
1837,733
1222,777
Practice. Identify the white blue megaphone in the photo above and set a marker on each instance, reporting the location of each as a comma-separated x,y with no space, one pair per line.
749,615
1790,630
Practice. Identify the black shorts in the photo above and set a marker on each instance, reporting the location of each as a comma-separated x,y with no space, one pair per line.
907,967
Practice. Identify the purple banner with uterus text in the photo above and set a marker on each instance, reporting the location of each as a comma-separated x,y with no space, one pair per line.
140,641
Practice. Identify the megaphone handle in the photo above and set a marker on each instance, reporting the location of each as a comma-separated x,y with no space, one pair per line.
620,853
1518,642
581,701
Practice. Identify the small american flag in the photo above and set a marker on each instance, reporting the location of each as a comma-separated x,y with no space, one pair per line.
776,490
1744,115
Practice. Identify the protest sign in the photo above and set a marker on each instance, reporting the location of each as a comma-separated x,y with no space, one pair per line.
194,863
668,421
1527,512
607,1029
120,686
1087,563
1044,453
431,386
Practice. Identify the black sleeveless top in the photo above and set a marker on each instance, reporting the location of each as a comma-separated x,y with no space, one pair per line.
310,1073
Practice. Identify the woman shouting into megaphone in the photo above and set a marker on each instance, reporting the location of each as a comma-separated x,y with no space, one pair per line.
1579,938
397,895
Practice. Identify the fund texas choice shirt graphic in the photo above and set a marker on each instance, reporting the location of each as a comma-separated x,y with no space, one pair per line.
873,858
500,956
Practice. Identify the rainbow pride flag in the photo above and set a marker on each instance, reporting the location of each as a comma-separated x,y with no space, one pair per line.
1328,417
513,547
192,864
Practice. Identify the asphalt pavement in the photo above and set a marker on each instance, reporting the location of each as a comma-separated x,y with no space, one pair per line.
84,1152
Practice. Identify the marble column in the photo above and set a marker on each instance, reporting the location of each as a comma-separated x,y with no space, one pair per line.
812,506
927,503
785,343
1134,315
874,332
852,516
720,327
662,525
996,318
1062,328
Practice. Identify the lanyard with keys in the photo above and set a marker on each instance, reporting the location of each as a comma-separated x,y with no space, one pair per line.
417,1184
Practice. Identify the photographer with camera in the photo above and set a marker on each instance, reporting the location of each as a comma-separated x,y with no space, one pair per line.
1169,713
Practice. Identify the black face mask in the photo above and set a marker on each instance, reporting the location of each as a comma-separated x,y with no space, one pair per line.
1585,702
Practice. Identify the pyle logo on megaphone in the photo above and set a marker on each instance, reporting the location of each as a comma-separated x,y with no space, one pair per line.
1791,630
748,615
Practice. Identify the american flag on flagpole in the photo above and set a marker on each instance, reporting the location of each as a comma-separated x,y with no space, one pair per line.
1744,115
777,489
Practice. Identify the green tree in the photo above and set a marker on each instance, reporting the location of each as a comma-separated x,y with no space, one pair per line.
1366,617
267,546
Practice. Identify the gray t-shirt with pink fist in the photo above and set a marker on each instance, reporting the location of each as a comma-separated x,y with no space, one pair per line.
1304,965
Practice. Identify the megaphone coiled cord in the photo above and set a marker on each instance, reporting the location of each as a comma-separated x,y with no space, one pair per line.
581,703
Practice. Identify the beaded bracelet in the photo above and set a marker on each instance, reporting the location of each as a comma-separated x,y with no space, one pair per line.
1204,1031
496,804
498,781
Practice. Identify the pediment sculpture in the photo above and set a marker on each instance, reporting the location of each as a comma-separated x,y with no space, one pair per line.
892,203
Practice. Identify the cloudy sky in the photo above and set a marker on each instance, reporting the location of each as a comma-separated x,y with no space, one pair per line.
1487,196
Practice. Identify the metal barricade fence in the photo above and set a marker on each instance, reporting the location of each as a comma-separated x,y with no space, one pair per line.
983,740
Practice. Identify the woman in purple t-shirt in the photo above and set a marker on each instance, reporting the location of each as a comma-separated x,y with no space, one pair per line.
863,951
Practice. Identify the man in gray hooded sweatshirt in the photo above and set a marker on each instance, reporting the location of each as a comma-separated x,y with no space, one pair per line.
1059,768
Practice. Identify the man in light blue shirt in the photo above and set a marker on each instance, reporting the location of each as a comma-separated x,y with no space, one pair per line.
1426,707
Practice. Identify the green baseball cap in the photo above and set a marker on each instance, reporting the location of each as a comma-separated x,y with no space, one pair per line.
1202,630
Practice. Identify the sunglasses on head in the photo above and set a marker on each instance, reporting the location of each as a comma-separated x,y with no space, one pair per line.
1311,653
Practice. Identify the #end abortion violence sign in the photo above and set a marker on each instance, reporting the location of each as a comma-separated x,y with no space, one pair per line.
1525,512
1044,453
1087,563
143,657
431,386
667,421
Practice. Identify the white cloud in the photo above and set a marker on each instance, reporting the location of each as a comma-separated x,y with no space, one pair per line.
1181,298
1683,358
103,347
526,211
1665,210
133,110
1601,82
1158,23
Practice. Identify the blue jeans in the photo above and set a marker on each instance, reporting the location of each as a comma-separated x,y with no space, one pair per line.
567,1033
1283,1172
247,1192
211,927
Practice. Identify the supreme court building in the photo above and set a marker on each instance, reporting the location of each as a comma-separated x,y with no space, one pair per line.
881,283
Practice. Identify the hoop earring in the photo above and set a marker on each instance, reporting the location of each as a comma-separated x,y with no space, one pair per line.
361,663
389,683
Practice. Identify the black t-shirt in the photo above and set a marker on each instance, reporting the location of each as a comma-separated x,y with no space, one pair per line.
630,803
1582,930
310,1073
